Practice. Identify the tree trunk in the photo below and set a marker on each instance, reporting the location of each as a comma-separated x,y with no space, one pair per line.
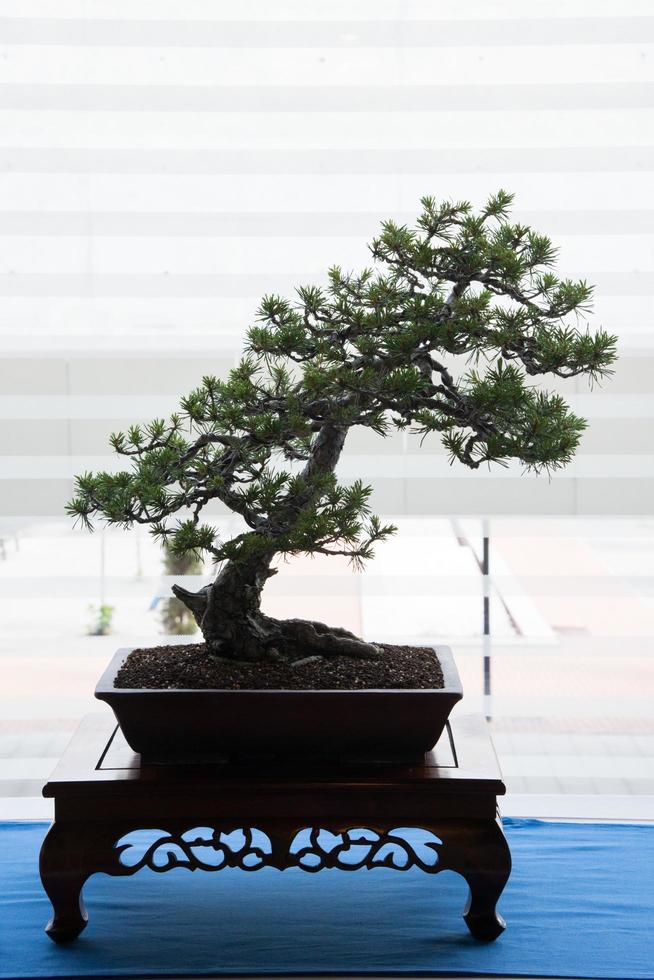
229,614
229,610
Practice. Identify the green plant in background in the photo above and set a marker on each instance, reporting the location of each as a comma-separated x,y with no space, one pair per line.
102,619
176,617
444,338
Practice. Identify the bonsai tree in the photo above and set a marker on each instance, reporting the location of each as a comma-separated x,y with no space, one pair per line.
372,349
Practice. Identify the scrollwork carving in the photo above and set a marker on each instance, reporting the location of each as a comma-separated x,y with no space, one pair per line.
350,850
201,848
311,849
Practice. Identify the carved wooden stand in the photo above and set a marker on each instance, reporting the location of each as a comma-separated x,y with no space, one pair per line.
251,816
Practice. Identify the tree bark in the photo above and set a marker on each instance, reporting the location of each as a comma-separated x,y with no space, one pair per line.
229,615
228,611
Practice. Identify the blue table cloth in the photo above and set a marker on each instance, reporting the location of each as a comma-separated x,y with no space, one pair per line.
579,904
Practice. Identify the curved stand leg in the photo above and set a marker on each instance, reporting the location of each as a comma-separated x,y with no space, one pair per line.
480,915
478,850
63,874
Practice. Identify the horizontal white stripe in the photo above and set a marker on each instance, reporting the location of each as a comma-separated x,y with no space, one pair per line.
20,338
148,372
427,466
235,285
221,320
449,496
61,437
379,195
315,10
325,99
25,768
83,406
61,65
291,224
619,533
291,130
570,767
112,369
578,256
117,373
301,33
633,310
221,256
25,437
603,158
590,805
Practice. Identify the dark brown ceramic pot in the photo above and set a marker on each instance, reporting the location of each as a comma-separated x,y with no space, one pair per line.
194,726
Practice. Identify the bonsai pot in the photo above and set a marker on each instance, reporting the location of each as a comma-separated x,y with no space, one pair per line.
194,726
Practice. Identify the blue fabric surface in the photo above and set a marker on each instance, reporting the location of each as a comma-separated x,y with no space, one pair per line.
578,904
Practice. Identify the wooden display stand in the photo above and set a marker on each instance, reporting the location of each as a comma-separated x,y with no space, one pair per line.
102,792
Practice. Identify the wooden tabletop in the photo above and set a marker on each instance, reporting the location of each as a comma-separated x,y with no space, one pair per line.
98,761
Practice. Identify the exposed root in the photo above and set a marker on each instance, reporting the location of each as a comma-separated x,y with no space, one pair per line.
289,640
235,629
302,638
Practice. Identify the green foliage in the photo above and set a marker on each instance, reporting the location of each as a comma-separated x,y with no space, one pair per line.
102,619
443,336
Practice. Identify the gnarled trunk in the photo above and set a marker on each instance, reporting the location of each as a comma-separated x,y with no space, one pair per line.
229,614
229,610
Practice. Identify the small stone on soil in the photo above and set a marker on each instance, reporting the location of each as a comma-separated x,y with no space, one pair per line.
190,666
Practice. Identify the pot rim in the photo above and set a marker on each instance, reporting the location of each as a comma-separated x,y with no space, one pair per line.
452,683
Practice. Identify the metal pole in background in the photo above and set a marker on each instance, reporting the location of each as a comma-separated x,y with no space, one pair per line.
486,591
139,563
102,569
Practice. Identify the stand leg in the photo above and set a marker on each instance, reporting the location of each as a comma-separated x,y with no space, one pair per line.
480,915
63,874
478,850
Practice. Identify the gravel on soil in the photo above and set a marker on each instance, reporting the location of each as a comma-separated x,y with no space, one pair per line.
189,666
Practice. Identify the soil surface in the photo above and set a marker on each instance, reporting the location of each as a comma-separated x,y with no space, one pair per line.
190,666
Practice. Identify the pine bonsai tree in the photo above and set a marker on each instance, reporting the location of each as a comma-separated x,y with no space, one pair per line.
371,349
